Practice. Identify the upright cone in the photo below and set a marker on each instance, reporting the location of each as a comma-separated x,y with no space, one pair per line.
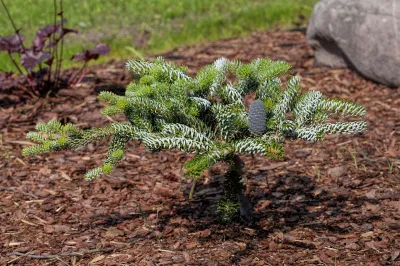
257,118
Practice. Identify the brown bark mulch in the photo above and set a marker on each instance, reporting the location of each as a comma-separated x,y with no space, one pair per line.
331,203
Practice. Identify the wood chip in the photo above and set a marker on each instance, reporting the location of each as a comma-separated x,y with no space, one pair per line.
27,222
274,166
97,259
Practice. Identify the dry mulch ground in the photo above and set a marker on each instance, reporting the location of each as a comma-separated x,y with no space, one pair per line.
330,203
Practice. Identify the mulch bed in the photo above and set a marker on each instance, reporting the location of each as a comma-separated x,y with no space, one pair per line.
331,203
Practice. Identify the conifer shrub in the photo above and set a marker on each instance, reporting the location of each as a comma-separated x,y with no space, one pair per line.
206,115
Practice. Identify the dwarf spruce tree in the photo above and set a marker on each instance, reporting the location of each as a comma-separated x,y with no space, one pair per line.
206,115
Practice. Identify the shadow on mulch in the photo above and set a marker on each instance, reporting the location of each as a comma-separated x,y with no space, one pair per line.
289,199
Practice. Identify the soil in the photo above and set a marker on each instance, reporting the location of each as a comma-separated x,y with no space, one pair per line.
331,203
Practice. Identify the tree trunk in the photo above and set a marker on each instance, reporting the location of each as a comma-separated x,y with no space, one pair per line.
233,185
233,199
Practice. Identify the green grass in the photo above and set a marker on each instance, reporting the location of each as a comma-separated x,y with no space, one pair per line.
151,26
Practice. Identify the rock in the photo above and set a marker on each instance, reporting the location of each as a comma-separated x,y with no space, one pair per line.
360,34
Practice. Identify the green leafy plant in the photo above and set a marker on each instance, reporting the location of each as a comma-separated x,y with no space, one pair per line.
207,115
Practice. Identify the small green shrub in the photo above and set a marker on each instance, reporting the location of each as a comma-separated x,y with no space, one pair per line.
206,115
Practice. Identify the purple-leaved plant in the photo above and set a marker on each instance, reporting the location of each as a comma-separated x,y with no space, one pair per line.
40,64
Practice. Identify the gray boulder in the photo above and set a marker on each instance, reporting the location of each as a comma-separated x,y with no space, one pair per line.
361,34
